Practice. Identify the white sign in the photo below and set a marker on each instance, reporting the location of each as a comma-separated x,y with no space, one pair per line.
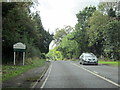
19,46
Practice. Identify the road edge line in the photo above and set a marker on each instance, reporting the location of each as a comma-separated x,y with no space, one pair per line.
47,77
33,86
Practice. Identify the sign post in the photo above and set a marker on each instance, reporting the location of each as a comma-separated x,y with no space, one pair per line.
23,58
19,47
14,57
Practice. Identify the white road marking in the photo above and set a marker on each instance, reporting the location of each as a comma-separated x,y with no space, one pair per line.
46,77
114,83
95,72
33,86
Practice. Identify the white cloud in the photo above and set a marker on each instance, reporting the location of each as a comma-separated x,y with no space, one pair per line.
57,13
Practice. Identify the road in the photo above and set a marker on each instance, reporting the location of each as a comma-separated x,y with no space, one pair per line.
68,74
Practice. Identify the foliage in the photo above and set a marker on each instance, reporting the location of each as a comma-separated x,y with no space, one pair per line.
103,35
112,41
95,32
81,34
83,15
113,63
110,8
69,47
10,71
60,33
54,54
111,13
21,25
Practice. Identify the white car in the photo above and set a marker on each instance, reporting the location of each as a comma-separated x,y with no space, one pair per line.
88,58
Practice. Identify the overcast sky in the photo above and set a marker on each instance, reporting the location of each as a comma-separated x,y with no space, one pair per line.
57,13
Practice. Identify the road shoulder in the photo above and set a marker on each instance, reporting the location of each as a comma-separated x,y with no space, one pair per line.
26,79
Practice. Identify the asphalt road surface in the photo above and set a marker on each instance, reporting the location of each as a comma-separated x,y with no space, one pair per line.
68,74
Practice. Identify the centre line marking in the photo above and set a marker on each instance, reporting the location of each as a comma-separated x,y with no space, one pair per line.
114,83
46,77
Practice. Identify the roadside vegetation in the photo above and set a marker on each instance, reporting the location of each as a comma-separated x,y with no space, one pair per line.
20,24
97,31
108,61
113,63
10,71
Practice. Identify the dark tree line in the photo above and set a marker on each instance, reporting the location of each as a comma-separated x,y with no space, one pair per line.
19,24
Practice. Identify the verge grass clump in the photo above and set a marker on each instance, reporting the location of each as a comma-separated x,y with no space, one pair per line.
109,62
9,71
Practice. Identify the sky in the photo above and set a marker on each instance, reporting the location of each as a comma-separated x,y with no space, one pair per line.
58,13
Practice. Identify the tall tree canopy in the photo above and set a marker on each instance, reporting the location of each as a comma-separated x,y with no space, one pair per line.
60,33
81,36
19,25
95,32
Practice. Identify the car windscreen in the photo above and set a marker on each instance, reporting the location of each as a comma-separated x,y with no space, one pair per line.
90,57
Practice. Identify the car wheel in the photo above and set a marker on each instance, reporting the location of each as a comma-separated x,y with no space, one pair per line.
96,63
83,63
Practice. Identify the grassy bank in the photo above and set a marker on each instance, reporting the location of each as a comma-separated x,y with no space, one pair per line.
9,71
113,63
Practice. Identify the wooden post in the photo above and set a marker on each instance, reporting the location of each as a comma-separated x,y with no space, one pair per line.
23,58
14,57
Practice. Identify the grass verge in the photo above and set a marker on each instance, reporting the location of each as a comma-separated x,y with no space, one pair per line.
9,71
113,63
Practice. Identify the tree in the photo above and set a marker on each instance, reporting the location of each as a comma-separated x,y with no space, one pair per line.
69,47
103,35
43,37
112,40
110,8
111,13
96,32
60,33
80,28
20,26
54,54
